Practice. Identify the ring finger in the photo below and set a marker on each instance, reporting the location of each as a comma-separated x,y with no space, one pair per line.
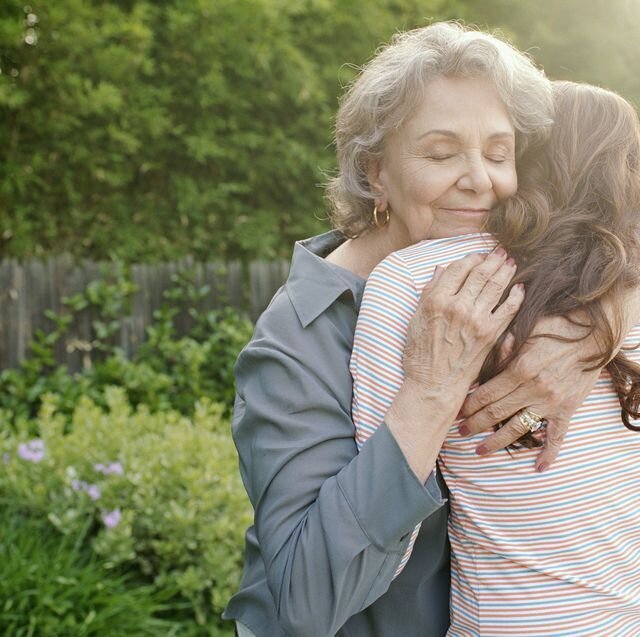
496,412
505,436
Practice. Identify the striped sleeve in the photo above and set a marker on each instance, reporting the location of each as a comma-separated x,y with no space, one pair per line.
389,302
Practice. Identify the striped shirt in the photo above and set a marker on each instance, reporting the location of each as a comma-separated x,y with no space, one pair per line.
556,553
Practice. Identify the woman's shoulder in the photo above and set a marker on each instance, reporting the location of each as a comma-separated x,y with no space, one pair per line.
311,318
414,265
447,247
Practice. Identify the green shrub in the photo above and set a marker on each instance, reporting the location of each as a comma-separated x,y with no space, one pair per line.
201,363
163,490
167,372
21,392
53,586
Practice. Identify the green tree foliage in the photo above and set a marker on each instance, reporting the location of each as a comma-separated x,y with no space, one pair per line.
592,41
83,114
150,130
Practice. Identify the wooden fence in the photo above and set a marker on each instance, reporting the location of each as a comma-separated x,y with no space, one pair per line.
28,288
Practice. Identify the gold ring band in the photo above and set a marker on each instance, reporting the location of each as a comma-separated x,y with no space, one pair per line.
531,420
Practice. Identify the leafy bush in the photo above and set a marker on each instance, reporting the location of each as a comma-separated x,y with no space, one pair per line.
53,586
168,371
162,491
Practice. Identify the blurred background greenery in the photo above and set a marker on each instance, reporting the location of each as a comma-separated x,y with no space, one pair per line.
151,130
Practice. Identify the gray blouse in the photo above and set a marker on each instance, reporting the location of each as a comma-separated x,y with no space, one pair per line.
330,525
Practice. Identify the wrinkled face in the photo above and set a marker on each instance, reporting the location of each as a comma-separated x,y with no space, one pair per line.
449,164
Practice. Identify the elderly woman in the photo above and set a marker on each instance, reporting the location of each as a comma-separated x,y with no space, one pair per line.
559,549
428,137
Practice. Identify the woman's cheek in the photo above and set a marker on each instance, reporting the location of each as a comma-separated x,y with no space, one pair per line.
508,183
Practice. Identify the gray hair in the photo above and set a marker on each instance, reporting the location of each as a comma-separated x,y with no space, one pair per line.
388,88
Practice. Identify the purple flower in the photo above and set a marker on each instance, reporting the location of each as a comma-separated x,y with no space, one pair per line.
78,485
93,491
113,468
33,451
111,518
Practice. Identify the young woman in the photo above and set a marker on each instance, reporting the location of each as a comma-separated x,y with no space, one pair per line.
532,554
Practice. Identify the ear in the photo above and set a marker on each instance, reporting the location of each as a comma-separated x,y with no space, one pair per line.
376,183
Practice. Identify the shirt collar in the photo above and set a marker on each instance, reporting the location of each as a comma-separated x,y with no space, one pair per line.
313,283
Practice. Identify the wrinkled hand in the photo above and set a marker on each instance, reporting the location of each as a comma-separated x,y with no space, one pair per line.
457,322
546,377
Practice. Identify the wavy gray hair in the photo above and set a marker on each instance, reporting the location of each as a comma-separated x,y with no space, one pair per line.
389,87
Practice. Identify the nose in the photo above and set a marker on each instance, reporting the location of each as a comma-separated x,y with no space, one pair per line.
475,176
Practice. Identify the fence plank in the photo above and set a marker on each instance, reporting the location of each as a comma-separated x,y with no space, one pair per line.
29,288
4,310
236,296
37,300
8,351
17,325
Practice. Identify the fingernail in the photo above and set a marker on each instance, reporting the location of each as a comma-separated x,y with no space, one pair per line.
543,467
500,251
511,262
463,430
481,450
520,286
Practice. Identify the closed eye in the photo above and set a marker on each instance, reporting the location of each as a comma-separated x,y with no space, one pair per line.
439,157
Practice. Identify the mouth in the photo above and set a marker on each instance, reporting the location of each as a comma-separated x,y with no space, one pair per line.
467,212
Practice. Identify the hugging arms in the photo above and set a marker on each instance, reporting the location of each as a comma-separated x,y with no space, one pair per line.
331,526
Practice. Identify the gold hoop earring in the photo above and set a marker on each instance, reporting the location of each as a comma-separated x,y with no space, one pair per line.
380,223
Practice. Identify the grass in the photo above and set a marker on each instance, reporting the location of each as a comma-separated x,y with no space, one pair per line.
54,586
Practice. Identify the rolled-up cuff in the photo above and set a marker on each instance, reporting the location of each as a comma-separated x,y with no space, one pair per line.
385,495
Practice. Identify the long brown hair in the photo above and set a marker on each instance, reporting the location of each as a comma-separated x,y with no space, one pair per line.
574,230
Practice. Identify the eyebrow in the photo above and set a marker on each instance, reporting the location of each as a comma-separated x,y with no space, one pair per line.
453,134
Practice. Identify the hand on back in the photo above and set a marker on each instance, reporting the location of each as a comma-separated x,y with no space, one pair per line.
457,322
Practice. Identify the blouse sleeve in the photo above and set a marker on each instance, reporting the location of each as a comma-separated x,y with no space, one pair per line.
332,524
389,302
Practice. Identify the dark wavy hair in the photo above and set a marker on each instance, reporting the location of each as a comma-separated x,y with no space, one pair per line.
573,228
